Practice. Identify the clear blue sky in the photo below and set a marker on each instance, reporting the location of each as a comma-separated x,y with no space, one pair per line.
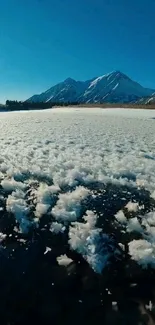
43,42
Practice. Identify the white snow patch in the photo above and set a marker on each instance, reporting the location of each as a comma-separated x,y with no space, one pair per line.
121,246
132,206
134,225
121,217
10,185
17,205
2,236
149,219
48,249
41,209
150,100
94,82
57,227
64,260
149,306
68,206
89,242
71,146
115,86
143,252
44,198
108,145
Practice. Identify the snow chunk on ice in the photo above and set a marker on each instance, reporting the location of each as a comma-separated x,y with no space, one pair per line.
132,206
90,242
149,218
48,249
57,227
10,185
2,236
134,225
143,252
149,306
79,232
64,260
121,217
17,205
98,250
68,206
41,209
44,198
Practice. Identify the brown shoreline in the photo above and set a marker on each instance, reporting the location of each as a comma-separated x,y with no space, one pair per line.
108,105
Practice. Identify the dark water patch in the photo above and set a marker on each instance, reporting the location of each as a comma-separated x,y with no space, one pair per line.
34,289
149,157
23,177
109,199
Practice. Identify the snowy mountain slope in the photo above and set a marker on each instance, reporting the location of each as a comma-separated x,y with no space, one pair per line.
147,100
68,90
112,87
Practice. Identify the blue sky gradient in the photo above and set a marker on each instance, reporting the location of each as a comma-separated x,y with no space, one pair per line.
42,42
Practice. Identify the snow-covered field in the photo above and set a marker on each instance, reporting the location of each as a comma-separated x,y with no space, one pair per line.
62,162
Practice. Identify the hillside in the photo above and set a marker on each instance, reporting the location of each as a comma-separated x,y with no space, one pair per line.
114,87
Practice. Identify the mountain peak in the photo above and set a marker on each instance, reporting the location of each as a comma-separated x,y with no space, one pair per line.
69,80
113,87
118,73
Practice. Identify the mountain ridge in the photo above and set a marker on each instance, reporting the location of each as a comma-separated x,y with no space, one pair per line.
113,87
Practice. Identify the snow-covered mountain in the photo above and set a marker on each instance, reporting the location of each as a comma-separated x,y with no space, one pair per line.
113,87
147,100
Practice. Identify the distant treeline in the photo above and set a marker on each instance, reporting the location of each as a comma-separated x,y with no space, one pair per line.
19,105
14,105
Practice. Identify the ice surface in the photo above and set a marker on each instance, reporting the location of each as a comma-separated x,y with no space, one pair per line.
49,158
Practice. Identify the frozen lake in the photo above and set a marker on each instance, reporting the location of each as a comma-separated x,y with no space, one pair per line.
69,145
74,163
